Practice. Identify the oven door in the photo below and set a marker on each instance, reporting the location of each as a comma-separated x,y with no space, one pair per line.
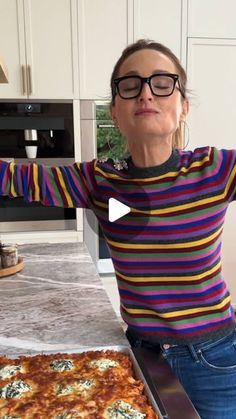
17,216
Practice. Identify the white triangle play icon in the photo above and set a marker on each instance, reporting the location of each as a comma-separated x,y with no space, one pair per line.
116,209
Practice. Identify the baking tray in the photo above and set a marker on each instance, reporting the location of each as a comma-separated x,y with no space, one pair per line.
140,371
150,385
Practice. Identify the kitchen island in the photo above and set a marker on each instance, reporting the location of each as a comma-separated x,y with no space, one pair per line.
58,303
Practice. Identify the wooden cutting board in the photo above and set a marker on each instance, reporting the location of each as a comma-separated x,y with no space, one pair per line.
12,269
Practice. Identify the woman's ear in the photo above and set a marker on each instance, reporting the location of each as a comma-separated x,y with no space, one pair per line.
185,110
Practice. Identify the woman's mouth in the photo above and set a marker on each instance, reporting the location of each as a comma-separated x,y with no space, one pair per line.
146,112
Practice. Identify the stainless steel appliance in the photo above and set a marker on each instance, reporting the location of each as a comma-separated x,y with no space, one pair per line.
47,130
99,138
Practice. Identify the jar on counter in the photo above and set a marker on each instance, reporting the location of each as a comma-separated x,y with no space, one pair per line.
9,256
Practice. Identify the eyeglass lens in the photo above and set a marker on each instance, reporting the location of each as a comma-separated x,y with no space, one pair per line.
160,85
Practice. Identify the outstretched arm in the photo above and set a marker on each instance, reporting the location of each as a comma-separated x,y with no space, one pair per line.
63,186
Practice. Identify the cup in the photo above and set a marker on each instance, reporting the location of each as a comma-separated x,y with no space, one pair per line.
31,135
9,256
31,151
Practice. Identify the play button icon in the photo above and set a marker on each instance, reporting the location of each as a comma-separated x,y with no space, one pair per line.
116,209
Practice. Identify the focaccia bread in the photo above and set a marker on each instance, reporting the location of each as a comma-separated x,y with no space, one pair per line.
90,385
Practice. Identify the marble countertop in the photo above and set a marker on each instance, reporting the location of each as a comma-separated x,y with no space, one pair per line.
57,302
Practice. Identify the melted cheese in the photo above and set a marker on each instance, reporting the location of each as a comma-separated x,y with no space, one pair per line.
123,410
10,370
85,384
14,390
9,417
103,364
72,414
80,386
93,384
64,390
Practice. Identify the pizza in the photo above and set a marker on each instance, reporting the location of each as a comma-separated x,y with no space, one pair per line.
92,385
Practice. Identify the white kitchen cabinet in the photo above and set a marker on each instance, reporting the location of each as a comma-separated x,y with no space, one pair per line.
211,67
212,18
103,32
12,47
37,46
159,20
105,27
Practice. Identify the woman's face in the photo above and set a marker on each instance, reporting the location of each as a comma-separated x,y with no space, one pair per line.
147,116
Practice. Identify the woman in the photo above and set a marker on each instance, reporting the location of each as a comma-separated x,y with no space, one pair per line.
166,251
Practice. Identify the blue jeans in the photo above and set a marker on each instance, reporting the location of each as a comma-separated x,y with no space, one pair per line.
207,371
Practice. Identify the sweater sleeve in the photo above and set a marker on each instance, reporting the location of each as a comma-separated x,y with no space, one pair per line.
60,186
227,172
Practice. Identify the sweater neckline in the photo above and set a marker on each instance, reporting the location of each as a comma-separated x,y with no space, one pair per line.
169,165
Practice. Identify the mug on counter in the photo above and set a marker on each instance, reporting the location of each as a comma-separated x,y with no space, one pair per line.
9,255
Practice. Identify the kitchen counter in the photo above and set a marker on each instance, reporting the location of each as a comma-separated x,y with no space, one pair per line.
57,303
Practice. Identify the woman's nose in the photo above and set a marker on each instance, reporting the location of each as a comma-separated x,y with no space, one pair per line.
146,92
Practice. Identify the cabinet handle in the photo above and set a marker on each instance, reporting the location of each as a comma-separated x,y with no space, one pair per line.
23,79
30,80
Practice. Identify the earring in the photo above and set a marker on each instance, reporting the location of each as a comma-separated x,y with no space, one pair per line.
185,135
115,123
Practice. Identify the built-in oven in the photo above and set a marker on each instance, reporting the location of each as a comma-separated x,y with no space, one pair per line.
99,138
41,132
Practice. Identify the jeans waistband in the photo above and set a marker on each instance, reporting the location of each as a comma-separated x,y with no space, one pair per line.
137,340
194,349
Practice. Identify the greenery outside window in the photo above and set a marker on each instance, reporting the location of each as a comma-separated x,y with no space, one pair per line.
110,142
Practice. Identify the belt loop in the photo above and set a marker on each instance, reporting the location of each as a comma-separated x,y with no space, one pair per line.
193,352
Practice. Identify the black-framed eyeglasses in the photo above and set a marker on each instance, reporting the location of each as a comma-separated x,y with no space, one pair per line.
130,87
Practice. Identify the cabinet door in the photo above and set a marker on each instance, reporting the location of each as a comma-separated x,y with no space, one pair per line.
103,34
12,48
212,18
211,70
159,20
49,30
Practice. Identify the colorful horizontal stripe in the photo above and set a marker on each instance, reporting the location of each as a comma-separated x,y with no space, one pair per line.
167,250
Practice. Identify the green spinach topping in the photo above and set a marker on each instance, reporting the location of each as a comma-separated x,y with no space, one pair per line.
123,410
77,387
14,390
103,364
9,417
61,365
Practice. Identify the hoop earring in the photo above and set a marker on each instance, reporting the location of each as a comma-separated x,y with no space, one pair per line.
185,134
115,122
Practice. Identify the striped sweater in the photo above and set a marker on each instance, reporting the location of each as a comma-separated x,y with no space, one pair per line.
167,251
